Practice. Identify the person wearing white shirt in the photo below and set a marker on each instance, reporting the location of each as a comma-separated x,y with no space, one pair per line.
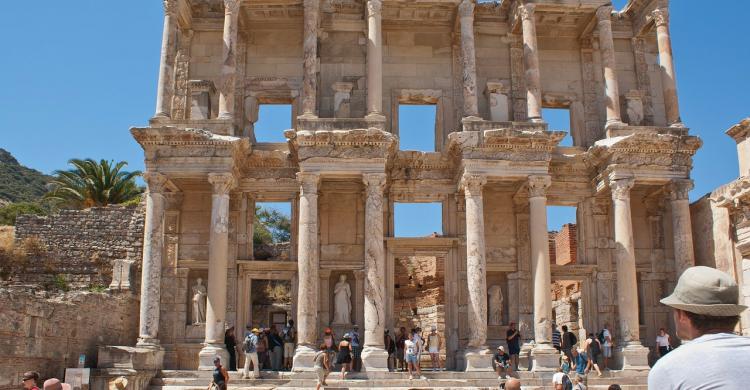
663,345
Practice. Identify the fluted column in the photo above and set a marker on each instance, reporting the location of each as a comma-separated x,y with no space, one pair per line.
469,62
682,230
607,48
374,59
477,353
218,251
531,63
153,251
166,63
668,81
374,356
310,58
308,260
228,59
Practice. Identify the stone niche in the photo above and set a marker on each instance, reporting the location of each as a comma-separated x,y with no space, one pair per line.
355,286
194,331
496,329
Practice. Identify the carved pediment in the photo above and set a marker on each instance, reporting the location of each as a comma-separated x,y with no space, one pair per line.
356,143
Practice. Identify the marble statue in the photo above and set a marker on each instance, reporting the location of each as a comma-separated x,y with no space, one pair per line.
342,293
495,305
199,302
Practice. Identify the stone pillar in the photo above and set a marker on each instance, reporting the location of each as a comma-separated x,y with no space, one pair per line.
228,59
310,59
153,251
307,272
374,356
668,82
374,60
531,63
477,356
166,64
682,231
633,353
607,48
218,251
469,61
545,357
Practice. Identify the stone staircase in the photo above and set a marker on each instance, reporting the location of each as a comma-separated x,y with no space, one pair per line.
448,380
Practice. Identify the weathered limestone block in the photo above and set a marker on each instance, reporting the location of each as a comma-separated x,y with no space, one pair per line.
342,99
201,94
497,96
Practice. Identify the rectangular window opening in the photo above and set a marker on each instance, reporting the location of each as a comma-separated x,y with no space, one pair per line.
418,219
563,235
272,230
416,127
273,120
559,120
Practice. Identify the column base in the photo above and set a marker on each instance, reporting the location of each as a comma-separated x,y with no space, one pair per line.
147,342
308,115
545,358
375,117
131,358
536,119
225,116
634,357
159,117
374,359
208,353
678,125
479,359
304,359
471,118
616,123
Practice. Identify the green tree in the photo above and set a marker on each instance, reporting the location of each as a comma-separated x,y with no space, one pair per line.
90,183
271,226
9,212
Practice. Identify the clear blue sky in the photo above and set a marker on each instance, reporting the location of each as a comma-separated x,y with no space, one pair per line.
78,74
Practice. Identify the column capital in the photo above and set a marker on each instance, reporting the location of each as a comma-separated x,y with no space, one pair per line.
679,189
526,11
222,182
155,181
375,182
472,183
621,188
311,3
309,182
466,8
170,7
660,17
538,185
604,13
374,7
231,6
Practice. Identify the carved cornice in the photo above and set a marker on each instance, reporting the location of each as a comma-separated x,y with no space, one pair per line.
309,182
466,9
740,131
172,136
472,184
538,186
660,17
731,194
679,189
222,182
374,7
155,182
621,188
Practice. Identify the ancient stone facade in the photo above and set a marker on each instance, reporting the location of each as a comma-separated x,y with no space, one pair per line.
345,67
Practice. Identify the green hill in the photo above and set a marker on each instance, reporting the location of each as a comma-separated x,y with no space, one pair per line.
19,183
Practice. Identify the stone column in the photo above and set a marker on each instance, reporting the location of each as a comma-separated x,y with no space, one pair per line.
668,82
477,356
310,59
374,356
607,47
228,59
374,60
545,357
153,251
627,284
218,251
531,63
682,231
469,61
166,64
307,272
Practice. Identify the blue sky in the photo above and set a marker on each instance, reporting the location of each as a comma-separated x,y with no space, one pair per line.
77,76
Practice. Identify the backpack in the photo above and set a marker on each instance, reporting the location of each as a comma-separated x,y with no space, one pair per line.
572,338
250,344
392,347
600,336
567,384
595,347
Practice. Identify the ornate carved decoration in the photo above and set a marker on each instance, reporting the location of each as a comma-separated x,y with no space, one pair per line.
156,182
466,8
538,185
375,183
181,77
170,7
222,182
472,184
308,182
679,189
740,131
526,11
604,13
374,7
660,16
621,188
231,6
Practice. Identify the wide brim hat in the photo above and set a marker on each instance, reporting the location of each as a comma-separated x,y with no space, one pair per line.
255,330
706,291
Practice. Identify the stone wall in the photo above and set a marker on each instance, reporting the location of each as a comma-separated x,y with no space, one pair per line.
48,333
420,293
566,245
79,246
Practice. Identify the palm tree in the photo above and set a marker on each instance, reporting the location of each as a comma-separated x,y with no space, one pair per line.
92,183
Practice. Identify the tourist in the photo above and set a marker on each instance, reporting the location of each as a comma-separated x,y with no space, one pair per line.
580,362
605,338
434,343
55,384
614,387
663,343
593,350
322,366
419,340
30,380
706,310
220,378
231,344
513,338
276,346
560,381
555,337
400,356
568,342
411,350
578,383
390,348
501,360
289,336
512,384
565,364
356,349
345,355
262,348
250,347
330,342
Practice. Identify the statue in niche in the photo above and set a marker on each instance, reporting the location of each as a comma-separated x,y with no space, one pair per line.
495,305
342,301
199,302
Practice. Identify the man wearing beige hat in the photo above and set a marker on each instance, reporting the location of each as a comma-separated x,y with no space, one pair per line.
706,311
